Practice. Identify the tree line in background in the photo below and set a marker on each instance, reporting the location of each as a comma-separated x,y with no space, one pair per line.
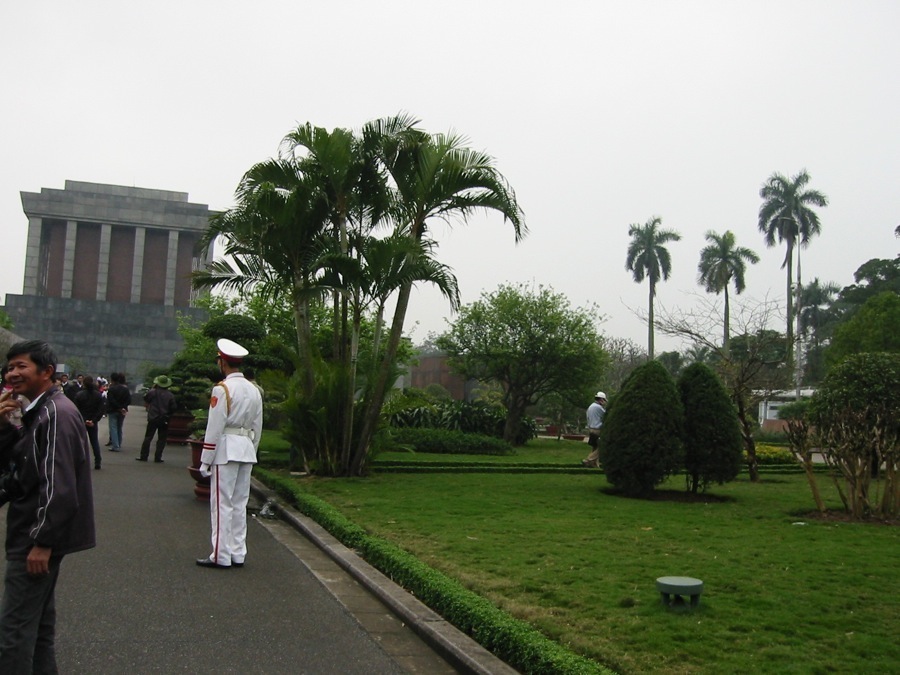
339,223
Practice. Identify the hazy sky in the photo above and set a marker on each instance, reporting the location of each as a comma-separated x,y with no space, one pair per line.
600,114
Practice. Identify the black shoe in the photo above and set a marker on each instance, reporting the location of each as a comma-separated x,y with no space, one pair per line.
158,461
140,459
206,562
234,564
115,450
96,467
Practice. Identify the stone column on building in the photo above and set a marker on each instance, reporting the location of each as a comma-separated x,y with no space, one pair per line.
103,264
33,256
171,265
137,273
68,272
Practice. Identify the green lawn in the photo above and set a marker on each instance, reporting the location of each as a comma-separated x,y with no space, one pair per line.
784,593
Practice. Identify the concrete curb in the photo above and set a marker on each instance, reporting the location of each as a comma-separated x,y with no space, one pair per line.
452,644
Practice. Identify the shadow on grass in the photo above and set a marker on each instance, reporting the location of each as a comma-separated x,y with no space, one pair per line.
678,496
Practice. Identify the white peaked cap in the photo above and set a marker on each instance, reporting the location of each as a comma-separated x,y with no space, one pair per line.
231,350
600,394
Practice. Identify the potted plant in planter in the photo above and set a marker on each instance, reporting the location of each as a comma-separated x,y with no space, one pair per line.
198,428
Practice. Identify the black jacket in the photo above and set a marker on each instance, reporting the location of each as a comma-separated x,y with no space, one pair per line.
90,404
53,464
117,398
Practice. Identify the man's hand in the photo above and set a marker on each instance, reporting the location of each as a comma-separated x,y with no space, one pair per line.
38,561
204,470
8,404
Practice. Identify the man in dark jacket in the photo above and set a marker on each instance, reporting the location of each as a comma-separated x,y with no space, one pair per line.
118,396
91,405
160,404
51,509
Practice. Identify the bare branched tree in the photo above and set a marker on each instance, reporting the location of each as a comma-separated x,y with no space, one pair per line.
751,367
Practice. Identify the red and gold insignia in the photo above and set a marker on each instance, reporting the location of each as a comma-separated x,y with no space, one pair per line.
213,401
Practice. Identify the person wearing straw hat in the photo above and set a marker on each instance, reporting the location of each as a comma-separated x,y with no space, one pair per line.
232,438
160,404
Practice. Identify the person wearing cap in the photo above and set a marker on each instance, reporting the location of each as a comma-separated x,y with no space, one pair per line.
160,404
232,438
595,414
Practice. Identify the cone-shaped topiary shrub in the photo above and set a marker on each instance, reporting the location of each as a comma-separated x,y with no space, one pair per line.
640,441
712,434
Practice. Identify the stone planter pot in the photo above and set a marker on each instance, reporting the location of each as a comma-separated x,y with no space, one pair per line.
180,427
201,486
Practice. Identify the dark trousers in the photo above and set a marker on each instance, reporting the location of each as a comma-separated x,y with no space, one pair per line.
95,443
160,427
28,620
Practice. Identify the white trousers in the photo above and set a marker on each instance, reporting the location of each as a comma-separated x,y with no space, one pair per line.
228,497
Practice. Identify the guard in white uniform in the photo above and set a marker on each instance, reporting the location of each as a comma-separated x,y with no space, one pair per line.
229,453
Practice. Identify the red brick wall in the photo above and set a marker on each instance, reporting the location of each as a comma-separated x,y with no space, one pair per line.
434,369
121,264
87,261
156,257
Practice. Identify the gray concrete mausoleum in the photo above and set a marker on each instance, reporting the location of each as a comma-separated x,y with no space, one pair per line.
107,270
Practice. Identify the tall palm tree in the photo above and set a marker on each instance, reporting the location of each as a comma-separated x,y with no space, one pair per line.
787,215
722,262
648,257
816,299
435,177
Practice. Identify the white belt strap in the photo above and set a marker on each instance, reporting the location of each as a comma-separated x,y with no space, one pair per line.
240,431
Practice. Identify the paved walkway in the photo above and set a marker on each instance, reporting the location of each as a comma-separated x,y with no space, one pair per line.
137,603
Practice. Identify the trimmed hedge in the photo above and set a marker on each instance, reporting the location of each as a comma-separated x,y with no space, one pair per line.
447,442
772,454
516,642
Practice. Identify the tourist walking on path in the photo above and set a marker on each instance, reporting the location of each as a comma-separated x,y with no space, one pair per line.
595,413
91,405
118,397
229,453
160,404
52,512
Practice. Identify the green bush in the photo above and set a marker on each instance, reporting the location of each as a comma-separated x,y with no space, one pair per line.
771,454
475,417
640,441
712,433
242,329
856,414
448,442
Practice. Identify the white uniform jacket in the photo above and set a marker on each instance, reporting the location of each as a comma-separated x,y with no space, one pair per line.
235,422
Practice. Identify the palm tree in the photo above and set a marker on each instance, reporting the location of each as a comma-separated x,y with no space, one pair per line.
276,239
648,257
787,215
816,316
720,263
816,299
436,177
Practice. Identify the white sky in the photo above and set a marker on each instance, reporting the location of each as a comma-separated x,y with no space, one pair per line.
600,114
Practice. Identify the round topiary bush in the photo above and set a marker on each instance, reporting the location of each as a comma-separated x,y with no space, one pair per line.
242,329
640,441
712,433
